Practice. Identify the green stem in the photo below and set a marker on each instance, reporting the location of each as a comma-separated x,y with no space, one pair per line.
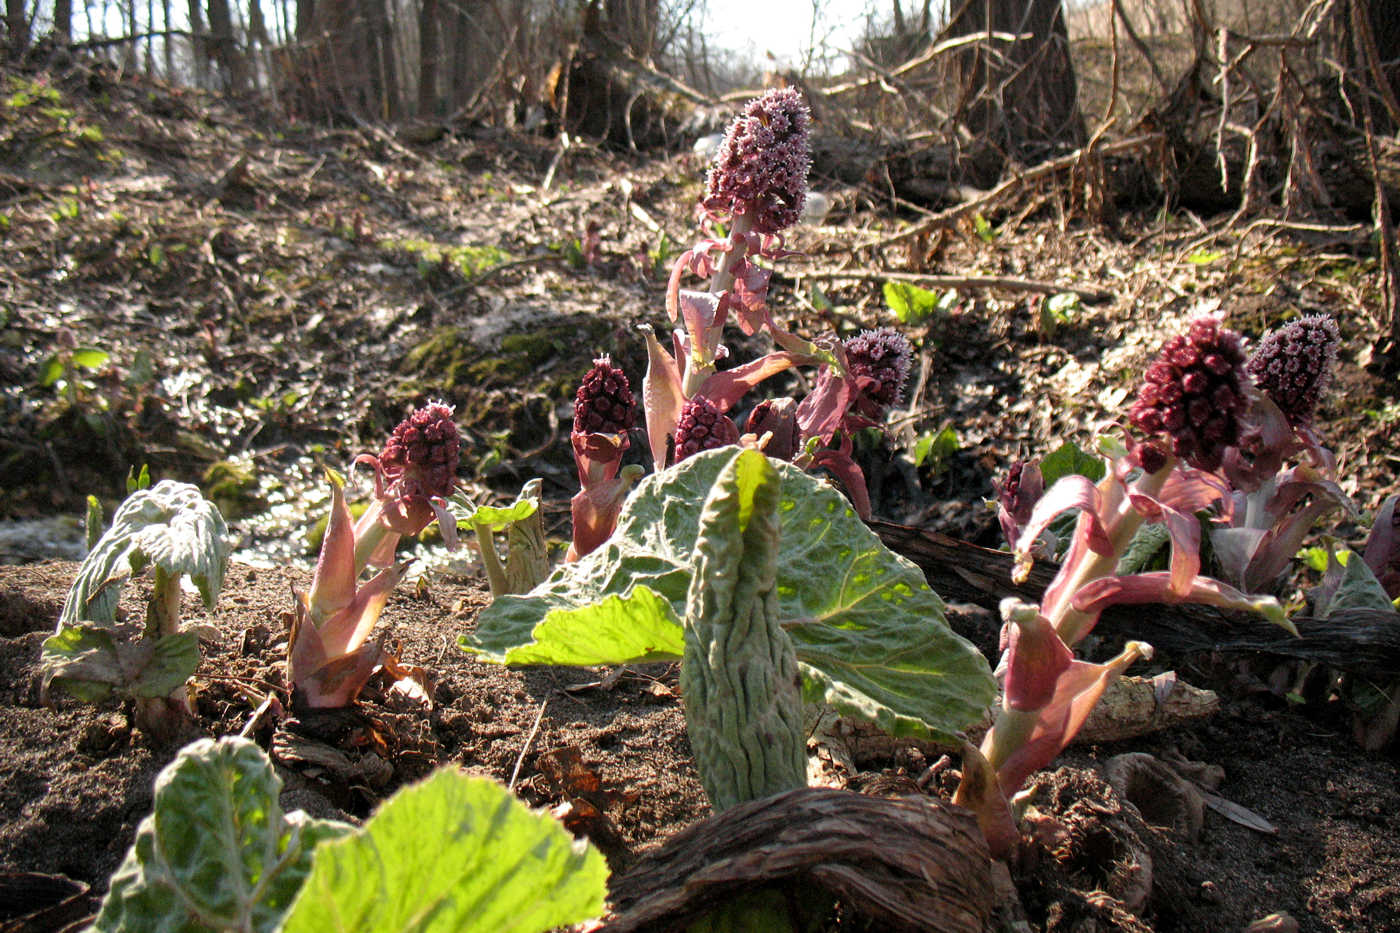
495,574
163,611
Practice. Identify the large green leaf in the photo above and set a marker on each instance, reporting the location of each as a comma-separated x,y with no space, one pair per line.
871,637
455,854
218,853
88,662
170,525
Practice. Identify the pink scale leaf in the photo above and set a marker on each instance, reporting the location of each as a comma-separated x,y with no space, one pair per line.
1069,492
1155,587
662,398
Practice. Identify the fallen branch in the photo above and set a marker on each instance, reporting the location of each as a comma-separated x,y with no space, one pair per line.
1090,295
1358,640
950,217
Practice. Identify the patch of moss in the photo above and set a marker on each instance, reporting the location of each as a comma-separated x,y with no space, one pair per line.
233,487
468,260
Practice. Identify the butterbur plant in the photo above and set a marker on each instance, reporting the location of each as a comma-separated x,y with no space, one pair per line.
1186,416
760,579
451,852
604,414
329,655
755,190
172,529
1269,509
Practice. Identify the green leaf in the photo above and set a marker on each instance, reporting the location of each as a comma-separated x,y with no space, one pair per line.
819,298
936,448
92,522
170,525
983,226
218,853
89,663
1069,459
51,370
1349,584
135,481
1146,551
871,636
494,518
1204,257
911,304
455,854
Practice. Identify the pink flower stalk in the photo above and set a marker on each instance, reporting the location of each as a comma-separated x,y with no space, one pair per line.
1017,496
329,656
1047,694
604,413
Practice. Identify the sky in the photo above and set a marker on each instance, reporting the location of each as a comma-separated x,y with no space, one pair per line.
783,27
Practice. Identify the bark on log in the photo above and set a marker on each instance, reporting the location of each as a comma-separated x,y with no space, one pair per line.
907,864
1360,641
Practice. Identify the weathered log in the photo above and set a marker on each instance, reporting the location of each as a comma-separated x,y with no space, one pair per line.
907,864
1362,641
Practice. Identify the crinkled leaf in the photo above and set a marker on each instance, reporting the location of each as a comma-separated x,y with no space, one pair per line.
170,525
1348,584
496,517
870,635
1146,550
218,853
454,854
86,661
1067,459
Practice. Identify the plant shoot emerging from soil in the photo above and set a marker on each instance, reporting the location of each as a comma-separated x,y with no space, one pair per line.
329,656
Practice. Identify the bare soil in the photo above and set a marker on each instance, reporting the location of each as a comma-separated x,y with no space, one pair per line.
273,298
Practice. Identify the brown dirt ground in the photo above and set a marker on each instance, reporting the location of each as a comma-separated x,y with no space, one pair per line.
75,780
255,288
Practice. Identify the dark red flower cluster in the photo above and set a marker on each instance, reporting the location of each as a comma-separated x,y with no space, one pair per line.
761,168
880,360
702,426
604,402
421,456
1293,365
1193,395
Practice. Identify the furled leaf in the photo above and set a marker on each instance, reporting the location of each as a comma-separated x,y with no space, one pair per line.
870,635
89,663
1348,584
217,853
454,853
170,525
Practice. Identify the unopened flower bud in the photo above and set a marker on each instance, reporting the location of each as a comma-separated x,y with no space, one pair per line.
1193,393
1293,365
702,426
604,403
421,456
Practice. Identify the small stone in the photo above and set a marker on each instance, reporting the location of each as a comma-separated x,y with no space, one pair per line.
1274,923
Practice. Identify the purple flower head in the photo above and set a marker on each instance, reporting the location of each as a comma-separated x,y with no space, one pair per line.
702,426
604,403
420,458
1193,394
1293,365
761,168
879,361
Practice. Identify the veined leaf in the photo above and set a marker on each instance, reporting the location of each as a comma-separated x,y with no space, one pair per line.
217,853
910,303
170,525
871,636
455,854
89,663
1067,459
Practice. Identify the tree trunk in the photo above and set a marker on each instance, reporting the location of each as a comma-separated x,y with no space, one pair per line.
429,57
223,47
16,28
199,45
1021,97
63,20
